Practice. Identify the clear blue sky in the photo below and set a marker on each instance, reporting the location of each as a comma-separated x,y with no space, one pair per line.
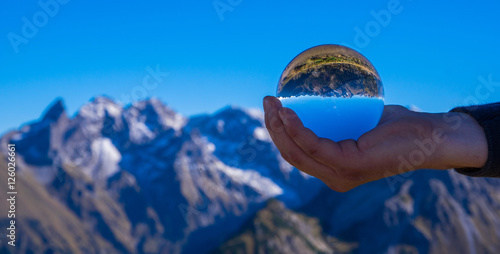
429,54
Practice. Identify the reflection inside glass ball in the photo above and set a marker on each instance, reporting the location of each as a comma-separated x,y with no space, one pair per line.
336,91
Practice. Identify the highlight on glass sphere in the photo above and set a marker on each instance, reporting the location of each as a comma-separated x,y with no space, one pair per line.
335,91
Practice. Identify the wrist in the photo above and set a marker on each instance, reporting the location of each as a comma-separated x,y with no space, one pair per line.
464,143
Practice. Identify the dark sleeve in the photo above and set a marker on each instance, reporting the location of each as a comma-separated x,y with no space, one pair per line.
488,116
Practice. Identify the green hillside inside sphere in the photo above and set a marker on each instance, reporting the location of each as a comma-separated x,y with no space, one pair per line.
330,71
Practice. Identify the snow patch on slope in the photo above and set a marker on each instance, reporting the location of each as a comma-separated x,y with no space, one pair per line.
261,134
108,158
263,185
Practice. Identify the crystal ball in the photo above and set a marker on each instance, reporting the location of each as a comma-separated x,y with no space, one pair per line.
335,91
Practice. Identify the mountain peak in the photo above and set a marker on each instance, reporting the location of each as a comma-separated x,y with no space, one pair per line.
152,103
156,115
229,108
54,111
102,100
98,108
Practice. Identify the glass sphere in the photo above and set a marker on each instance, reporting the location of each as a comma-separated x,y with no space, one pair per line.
336,91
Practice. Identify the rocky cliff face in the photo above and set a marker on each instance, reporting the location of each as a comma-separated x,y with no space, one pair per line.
144,179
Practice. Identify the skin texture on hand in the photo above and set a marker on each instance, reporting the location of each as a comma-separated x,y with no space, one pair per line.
402,141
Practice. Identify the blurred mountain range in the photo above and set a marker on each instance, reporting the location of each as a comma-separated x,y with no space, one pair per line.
144,179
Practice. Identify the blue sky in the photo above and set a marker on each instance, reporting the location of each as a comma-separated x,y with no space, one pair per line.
213,53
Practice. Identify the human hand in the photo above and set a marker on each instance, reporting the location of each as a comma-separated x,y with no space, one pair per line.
402,141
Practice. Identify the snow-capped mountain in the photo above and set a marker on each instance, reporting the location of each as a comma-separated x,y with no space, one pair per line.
145,179
173,178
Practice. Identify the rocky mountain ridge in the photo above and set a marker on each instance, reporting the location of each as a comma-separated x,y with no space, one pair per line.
147,179
144,179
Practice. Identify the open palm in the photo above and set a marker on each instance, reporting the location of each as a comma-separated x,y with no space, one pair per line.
402,141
